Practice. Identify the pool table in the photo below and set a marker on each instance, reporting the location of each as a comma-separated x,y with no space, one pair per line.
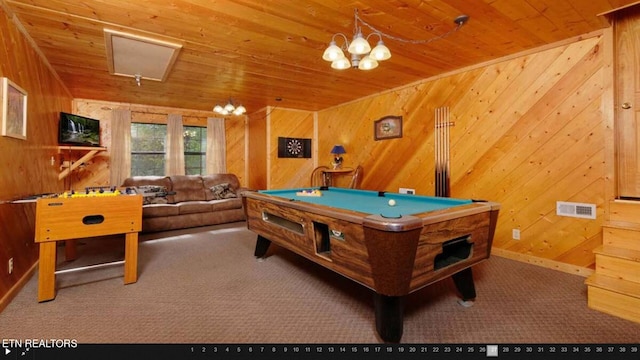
393,250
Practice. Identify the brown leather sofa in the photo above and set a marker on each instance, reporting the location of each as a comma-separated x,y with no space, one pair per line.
184,201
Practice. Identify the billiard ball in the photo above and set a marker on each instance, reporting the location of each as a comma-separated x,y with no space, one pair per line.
392,202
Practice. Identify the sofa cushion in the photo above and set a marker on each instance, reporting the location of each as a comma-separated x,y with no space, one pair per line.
194,207
212,180
222,191
226,204
187,188
160,210
138,181
152,194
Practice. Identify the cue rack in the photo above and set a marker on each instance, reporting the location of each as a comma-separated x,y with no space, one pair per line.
442,160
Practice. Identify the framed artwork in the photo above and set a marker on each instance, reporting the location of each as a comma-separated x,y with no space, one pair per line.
13,110
388,127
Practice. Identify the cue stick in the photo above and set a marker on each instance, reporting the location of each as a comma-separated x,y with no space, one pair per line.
446,153
439,150
436,133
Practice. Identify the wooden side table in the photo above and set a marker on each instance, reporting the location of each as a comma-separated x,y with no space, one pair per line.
62,219
327,175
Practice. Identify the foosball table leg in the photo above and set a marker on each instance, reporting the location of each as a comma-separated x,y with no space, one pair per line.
47,271
70,252
131,258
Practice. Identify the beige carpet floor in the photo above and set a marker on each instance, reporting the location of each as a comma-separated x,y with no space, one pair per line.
205,286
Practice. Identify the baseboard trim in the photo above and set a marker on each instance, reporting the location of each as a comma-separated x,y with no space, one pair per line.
545,263
8,297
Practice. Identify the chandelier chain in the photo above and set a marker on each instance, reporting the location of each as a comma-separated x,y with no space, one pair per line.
382,33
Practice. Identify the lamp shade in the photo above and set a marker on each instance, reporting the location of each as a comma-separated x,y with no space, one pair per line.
338,150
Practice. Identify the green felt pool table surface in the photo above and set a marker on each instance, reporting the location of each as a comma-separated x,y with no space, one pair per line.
370,202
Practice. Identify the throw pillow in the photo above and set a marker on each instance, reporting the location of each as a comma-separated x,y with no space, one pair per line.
223,191
152,194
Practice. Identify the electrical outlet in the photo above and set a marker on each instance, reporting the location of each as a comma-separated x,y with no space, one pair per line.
10,266
515,234
407,191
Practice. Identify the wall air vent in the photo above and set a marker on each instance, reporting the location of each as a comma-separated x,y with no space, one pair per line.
578,210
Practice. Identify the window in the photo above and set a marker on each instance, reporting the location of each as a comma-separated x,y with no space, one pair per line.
148,149
195,150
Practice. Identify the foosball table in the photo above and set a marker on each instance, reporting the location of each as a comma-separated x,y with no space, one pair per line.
74,215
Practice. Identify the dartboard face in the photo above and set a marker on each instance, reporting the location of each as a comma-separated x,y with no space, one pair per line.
294,147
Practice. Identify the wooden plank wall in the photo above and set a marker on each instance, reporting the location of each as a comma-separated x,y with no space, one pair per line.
256,163
529,131
25,165
288,172
96,172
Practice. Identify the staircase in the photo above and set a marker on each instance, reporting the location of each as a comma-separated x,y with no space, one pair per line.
614,287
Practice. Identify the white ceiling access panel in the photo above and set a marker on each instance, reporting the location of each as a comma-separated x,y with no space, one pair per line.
139,57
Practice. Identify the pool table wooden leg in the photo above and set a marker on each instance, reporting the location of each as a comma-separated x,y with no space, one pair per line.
389,317
464,282
262,245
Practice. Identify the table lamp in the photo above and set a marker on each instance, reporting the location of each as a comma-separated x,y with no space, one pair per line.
337,152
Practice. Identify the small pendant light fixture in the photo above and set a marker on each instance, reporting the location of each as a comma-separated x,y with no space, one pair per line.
363,56
230,108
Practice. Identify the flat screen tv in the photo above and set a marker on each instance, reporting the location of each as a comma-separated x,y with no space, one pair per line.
78,130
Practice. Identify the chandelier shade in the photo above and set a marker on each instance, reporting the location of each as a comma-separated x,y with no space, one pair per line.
359,45
367,63
333,52
380,52
341,64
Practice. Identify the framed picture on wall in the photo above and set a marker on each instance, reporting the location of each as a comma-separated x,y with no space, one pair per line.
13,110
388,127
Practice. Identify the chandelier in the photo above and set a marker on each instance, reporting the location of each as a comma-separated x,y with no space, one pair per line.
230,108
363,56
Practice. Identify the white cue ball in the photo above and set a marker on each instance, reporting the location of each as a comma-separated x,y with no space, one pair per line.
392,202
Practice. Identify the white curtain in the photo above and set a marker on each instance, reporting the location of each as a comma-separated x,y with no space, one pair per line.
216,146
120,152
175,146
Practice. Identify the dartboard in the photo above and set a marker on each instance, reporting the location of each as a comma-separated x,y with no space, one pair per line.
294,147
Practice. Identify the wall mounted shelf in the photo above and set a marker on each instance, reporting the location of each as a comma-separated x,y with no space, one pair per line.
69,166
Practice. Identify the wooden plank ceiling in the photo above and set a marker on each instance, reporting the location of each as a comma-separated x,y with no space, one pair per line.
255,51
